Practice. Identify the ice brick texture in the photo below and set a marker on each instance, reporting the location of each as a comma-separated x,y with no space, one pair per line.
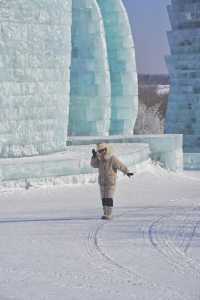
35,50
165,148
184,65
90,99
45,169
122,64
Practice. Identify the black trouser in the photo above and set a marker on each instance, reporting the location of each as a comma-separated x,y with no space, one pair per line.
107,202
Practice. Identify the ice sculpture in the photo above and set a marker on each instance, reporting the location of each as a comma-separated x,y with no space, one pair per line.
35,50
42,86
184,64
121,55
90,98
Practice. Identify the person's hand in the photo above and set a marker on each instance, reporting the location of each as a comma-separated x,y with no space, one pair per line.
129,174
94,153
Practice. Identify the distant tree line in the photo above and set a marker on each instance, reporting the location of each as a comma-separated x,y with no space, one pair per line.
153,98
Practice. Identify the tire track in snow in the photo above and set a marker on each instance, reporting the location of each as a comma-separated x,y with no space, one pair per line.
163,242
192,236
174,255
93,241
92,244
95,249
162,245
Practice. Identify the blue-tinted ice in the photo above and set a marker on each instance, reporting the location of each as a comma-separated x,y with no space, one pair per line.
121,57
35,55
90,96
64,68
184,62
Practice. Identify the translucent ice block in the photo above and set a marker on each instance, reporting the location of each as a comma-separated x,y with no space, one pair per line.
90,100
121,55
192,161
165,148
45,169
183,106
35,54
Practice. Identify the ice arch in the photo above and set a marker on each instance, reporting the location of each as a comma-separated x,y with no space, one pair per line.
121,56
35,52
90,98
40,82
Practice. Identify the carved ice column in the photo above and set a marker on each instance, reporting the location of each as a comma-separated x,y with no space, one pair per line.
90,78
121,55
35,54
184,64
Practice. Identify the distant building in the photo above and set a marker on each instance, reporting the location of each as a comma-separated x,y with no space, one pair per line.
184,69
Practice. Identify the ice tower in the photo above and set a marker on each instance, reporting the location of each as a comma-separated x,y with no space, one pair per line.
67,71
104,87
121,57
184,65
35,54
90,96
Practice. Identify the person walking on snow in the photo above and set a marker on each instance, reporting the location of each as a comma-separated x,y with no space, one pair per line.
108,165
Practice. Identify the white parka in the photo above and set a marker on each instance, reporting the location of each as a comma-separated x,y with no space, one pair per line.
108,167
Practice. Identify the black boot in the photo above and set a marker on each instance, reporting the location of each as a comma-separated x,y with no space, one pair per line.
107,208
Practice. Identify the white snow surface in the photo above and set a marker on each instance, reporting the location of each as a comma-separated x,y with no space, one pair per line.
53,244
162,89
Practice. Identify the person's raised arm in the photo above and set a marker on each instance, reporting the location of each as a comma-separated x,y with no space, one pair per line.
94,160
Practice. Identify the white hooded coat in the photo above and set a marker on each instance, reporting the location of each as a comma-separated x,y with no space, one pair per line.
108,167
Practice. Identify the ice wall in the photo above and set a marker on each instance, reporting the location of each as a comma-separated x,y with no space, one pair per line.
165,148
90,98
37,93
184,64
35,50
121,55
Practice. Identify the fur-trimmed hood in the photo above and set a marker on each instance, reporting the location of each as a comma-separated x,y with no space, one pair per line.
109,149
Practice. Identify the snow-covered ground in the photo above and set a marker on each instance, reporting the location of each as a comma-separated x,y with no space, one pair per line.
53,244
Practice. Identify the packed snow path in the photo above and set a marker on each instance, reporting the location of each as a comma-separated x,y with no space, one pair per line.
53,244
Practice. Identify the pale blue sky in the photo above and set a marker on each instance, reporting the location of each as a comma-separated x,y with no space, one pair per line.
150,22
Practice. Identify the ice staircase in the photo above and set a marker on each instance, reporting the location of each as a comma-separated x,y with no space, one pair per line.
69,167
73,164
